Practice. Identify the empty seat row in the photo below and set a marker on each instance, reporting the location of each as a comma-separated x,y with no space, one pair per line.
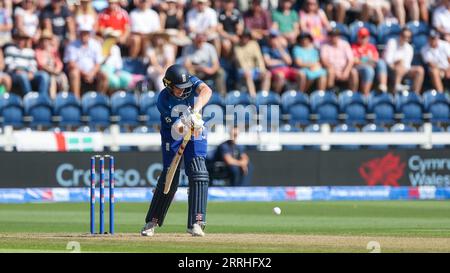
94,109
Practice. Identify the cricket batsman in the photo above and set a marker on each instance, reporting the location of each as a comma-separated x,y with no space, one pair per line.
180,103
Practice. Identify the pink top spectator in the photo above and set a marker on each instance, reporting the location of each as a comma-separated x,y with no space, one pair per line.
338,56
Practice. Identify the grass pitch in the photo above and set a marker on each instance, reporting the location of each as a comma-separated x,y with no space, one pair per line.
344,226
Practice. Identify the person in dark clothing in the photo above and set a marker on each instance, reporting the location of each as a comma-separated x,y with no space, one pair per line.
236,160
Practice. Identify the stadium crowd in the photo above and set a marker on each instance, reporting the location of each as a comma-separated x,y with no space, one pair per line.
361,45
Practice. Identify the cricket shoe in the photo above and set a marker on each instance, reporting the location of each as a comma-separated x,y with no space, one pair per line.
148,229
196,230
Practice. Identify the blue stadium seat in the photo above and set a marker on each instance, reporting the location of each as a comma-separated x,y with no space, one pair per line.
313,128
268,104
353,105
11,110
343,29
374,128
95,106
355,26
420,31
387,31
39,108
438,105
147,107
287,128
237,97
418,27
382,106
216,99
68,107
143,130
400,128
325,105
134,66
344,128
125,106
410,104
293,97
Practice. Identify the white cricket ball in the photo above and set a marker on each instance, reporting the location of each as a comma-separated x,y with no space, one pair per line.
277,210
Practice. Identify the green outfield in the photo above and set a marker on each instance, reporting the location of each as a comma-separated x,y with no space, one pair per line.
344,226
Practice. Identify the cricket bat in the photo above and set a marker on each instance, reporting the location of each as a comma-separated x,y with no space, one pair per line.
176,160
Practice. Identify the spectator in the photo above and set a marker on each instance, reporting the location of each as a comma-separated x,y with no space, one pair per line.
21,65
376,10
161,55
171,15
441,19
5,79
118,79
172,21
398,55
251,63
230,26
57,19
367,62
337,58
436,54
415,10
201,59
313,20
143,21
278,60
307,58
236,160
83,58
85,15
202,19
26,19
49,60
6,23
116,18
258,20
285,19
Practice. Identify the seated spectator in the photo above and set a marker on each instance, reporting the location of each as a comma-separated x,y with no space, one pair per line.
161,55
398,55
251,63
307,58
285,19
436,54
258,20
172,21
85,15
201,59
143,21
410,10
112,67
57,19
26,19
230,26
203,19
6,23
21,65
83,58
441,19
337,58
236,160
376,10
49,60
313,20
368,63
116,18
279,62
5,79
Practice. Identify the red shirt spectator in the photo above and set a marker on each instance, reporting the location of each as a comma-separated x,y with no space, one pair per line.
116,18
365,52
258,20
